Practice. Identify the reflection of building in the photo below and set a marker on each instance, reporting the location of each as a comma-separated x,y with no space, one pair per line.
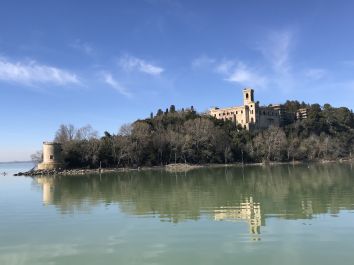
48,189
51,156
307,208
250,115
249,211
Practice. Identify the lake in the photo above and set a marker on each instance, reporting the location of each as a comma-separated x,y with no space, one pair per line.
283,214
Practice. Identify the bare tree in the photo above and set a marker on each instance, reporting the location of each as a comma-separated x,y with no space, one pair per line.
65,133
271,144
125,130
86,133
37,157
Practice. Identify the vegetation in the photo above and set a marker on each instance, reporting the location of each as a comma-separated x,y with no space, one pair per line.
185,136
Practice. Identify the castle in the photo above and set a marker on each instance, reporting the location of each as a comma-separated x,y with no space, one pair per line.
251,116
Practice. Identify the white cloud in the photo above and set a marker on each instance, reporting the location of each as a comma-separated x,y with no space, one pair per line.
131,63
82,46
32,73
109,79
202,61
315,73
243,75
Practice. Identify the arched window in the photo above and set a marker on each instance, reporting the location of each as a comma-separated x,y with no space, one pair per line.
246,95
251,120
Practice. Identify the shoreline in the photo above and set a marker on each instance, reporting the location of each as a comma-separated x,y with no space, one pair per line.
180,167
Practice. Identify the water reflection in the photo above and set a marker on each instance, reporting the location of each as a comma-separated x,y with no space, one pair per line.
247,211
221,194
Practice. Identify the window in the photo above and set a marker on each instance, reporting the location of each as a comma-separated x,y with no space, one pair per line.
246,95
251,120
51,157
241,111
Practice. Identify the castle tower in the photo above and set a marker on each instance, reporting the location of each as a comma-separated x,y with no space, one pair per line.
248,96
51,156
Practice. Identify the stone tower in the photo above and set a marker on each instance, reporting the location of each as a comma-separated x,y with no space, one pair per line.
51,156
248,96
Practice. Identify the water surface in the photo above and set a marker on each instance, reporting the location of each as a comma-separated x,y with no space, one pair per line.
256,215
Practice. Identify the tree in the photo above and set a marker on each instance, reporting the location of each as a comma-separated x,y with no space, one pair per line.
65,133
37,157
271,144
172,109
86,133
125,130
159,112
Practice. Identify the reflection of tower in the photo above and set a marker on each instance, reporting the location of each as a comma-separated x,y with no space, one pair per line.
307,208
248,210
47,188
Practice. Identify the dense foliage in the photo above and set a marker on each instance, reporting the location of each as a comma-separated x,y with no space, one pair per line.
186,136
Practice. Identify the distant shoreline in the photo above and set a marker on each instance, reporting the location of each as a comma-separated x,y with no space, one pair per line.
15,162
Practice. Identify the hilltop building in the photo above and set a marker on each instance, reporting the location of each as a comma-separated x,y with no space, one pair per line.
51,156
250,115
301,114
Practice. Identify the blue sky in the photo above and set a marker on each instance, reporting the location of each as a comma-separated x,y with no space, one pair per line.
107,63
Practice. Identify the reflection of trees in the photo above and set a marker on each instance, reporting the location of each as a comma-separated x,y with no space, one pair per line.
285,191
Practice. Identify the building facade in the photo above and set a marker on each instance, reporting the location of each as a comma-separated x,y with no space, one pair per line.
250,115
301,114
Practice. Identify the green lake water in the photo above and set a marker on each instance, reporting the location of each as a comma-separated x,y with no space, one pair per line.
284,214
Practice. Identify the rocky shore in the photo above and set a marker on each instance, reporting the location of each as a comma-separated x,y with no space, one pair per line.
170,168
71,171
179,167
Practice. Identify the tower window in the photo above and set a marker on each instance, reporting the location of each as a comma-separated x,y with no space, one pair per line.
51,157
246,95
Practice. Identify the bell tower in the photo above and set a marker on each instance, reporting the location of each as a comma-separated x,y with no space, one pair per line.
248,96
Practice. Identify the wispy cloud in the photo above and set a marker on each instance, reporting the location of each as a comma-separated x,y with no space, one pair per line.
225,67
276,50
202,61
315,73
82,46
243,75
130,63
31,73
111,81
